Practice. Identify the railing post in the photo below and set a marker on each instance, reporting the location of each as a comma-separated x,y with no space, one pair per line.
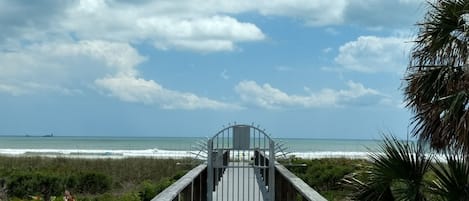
196,188
272,170
209,170
186,193
204,189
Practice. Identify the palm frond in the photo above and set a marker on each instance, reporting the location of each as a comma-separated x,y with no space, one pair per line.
397,173
452,177
437,79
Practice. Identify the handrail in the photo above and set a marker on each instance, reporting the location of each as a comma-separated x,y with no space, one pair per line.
291,180
286,180
174,191
275,181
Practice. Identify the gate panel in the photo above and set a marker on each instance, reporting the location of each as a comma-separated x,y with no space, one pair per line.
240,164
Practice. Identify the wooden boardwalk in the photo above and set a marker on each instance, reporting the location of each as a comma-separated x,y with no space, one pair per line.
239,183
241,166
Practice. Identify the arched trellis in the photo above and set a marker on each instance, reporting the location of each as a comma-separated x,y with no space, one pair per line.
241,164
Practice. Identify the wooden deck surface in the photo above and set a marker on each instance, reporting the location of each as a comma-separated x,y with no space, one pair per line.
238,184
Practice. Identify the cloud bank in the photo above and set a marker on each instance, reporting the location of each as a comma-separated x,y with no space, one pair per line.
111,66
266,96
70,46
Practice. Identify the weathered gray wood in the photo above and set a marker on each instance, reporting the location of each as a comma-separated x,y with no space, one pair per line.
209,183
304,189
237,178
173,191
241,181
271,177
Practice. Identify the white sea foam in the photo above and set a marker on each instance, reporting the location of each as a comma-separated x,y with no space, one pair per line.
330,154
80,153
176,154
158,153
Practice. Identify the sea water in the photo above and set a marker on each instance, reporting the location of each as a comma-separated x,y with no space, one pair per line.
168,147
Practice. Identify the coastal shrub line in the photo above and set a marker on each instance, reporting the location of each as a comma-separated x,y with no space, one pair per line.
131,179
326,175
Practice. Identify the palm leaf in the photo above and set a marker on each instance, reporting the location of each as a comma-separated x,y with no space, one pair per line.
452,177
397,173
437,79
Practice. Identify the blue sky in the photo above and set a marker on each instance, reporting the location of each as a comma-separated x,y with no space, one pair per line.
299,68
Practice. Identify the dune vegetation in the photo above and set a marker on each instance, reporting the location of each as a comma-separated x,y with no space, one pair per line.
131,179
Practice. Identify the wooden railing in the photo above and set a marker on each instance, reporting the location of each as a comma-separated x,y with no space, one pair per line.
288,186
192,186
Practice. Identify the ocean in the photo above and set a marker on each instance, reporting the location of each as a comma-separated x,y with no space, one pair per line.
167,147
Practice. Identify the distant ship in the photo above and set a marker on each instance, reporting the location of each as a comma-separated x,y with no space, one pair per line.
50,135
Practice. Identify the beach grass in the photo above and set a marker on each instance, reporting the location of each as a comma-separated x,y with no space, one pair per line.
325,175
142,178
89,179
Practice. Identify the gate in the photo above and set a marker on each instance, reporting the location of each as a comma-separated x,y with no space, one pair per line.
241,162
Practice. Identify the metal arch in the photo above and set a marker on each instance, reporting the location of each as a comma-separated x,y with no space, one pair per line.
246,125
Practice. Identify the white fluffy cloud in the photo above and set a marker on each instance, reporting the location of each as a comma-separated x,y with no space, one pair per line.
132,89
68,46
198,25
107,66
375,54
215,33
266,96
166,30
166,24
312,12
60,66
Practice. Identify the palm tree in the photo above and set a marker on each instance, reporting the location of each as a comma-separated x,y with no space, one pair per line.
452,177
437,79
396,173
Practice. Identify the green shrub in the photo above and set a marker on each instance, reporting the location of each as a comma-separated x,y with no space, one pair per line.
71,182
93,183
37,183
163,184
20,185
130,196
148,190
325,175
49,184
89,179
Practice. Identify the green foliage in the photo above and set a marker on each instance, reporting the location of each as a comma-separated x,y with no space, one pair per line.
94,183
163,184
34,183
396,173
89,179
325,175
21,185
49,184
402,171
452,178
436,80
148,190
